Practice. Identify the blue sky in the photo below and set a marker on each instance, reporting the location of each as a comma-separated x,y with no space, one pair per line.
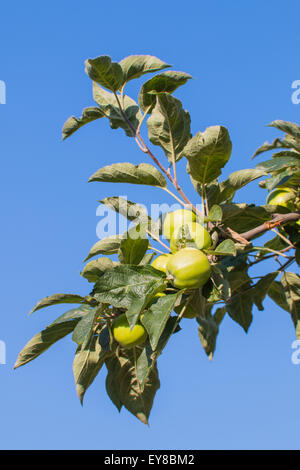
243,57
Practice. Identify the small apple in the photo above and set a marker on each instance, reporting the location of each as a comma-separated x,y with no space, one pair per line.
160,262
173,219
281,197
126,337
190,234
190,268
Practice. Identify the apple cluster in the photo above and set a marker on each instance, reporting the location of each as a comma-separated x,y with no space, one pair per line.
187,266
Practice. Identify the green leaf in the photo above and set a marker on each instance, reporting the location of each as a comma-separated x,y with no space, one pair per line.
170,328
215,214
133,212
73,124
134,245
94,269
108,104
106,101
58,299
144,364
261,289
287,153
276,144
147,259
106,246
207,153
74,313
83,329
197,303
236,181
166,82
279,163
86,365
129,173
225,248
297,255
279,179
276,293
169,126
241,217
43,340
105,72
218,287
130,287
212,191
239,306
111,383
105,338
134,66
291,288
133,114
239,309
208,330
288,127
156,317
124,388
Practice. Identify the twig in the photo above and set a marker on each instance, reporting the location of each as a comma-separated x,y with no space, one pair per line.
278,219
283,237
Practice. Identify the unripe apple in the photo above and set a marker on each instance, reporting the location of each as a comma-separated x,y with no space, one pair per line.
160,262
176,218
281,197
191,234
124,336
189,267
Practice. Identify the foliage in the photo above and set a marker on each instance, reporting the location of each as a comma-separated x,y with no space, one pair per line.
130,284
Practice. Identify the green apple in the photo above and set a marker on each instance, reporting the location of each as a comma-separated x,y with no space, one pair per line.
173,219
190,233
124,336
281,197
160,262
190,268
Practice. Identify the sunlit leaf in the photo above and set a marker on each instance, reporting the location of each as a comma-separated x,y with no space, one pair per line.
124,387
106,246
166,82
169,126
134,66
73,124
105,72
207,153
144,173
